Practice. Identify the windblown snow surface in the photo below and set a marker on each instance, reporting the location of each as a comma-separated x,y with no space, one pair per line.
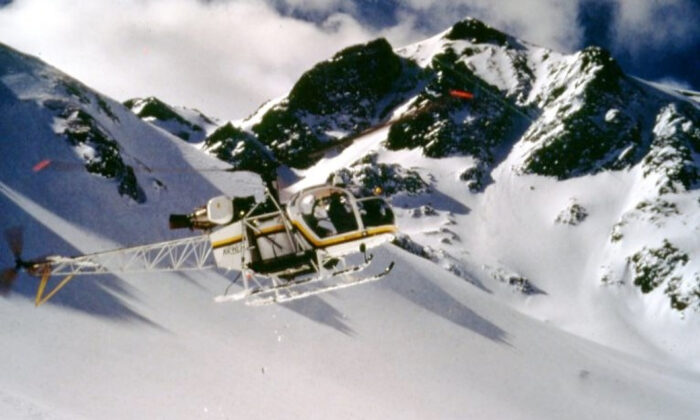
425,342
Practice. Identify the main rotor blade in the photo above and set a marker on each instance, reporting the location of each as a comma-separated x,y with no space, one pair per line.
14,238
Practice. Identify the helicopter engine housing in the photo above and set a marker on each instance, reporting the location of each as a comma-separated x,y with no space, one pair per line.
218,211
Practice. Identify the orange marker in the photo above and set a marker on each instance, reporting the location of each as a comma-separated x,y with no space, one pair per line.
461,94
41,165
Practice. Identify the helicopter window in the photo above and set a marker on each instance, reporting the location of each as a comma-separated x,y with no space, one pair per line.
314,213
341,213
328,216
306,204
375,212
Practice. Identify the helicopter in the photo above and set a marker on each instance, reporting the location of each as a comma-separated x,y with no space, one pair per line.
298,244
283,251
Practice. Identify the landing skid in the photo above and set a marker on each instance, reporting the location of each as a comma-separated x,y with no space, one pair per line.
278,291
305,290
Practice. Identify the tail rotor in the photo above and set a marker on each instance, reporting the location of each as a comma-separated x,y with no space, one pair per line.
15,241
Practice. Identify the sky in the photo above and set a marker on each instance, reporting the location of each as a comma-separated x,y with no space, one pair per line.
227,57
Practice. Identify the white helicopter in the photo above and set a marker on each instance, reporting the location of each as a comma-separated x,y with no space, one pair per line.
283,252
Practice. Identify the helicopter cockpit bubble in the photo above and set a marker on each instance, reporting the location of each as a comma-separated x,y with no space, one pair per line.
327,211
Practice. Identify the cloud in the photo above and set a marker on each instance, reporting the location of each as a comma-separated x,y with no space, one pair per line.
226,57
636,24
651,38
329,6
643,24
550,23
674,83
223,57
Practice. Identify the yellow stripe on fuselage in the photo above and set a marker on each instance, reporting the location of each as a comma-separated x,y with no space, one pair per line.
320,243
226,242
351,236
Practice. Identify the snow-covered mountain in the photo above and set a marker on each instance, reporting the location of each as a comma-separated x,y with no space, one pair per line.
547,268
572,118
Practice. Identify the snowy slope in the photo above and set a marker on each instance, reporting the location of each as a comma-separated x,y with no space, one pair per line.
33,102
422,343
508,242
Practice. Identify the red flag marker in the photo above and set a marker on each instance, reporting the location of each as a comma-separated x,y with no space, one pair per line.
461,94
41,165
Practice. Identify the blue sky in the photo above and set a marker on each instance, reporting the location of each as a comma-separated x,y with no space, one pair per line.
226,57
